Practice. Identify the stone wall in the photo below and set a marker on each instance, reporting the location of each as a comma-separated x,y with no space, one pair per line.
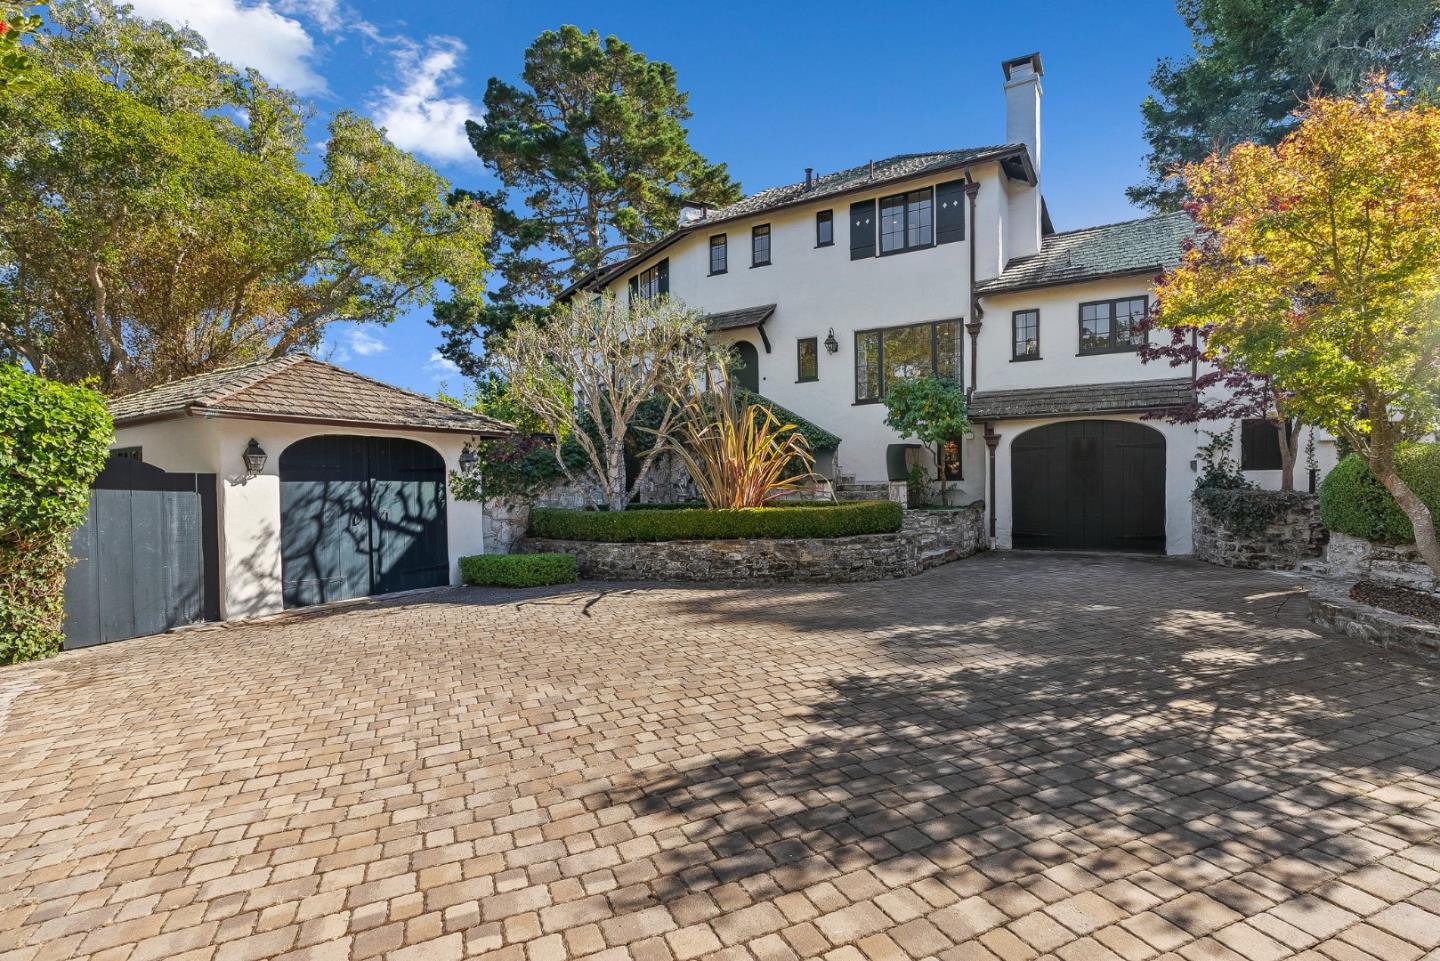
1333,608
927,539
1396,565
1283,544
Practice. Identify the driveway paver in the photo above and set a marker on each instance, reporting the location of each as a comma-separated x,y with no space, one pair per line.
1016,756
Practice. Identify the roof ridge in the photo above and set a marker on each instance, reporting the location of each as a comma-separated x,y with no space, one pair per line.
1167,214
273,366
232,394
189,377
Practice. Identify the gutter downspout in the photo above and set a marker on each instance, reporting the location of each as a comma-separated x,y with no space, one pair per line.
972,327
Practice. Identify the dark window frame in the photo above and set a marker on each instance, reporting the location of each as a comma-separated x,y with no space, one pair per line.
1268,458
128,453
934,326
1113,347
826,217
904,199
1015,354
724,247
814,343
659,272
756,232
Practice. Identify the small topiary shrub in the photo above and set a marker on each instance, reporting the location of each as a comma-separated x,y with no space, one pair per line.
1354,502
827,520
518,570
53,441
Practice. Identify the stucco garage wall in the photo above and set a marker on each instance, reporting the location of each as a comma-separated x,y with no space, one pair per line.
249,507
1180,445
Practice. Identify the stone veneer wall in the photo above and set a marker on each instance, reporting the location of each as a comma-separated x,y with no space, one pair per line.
927,539
1395,565
1295,536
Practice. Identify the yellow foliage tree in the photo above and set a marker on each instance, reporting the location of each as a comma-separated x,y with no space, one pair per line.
1318,264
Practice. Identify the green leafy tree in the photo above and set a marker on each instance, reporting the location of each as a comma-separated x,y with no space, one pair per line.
53,441
930,409
148,233
594,160
1256,61
1317,268
15,66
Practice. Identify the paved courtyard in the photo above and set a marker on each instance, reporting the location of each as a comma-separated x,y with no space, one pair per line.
1010,757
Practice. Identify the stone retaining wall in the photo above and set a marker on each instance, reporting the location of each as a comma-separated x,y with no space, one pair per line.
1282,545
1331,606
927,539
1394,565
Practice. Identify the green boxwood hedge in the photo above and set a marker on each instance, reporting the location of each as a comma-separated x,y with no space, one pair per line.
1353,501
830,520
518,570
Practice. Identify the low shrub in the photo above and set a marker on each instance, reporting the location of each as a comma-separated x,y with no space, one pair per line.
1353,501
1248,510
53,440
826,520
518,570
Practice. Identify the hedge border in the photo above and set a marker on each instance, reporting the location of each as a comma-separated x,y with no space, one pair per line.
764,523
1354,502
518,570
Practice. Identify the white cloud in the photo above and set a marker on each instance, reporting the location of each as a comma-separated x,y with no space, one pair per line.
421,115
441,367
363,343
248,34
327,14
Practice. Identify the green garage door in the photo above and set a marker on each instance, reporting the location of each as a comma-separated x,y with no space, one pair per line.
360,515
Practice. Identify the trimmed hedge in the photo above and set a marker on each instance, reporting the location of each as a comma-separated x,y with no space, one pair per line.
518,570
1353,501
53,440
769,523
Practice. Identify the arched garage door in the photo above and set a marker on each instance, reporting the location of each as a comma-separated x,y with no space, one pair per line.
360,515
1089,485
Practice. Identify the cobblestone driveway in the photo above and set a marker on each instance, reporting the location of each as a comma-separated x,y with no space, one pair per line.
1011,757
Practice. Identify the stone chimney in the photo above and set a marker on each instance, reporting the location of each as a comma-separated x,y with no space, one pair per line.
1022,125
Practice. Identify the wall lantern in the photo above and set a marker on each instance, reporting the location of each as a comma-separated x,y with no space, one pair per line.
254,458
467,459
831,344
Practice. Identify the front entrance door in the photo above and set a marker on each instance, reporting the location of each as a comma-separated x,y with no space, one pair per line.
1089,485
360,515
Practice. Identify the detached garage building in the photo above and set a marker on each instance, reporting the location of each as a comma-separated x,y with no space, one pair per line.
291,481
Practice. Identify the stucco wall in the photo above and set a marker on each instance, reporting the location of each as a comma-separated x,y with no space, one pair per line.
249,507
820,288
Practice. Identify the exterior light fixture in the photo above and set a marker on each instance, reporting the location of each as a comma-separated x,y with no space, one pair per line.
467,459
254,458
831,344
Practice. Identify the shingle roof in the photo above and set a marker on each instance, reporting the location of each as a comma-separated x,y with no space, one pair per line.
299,388
1131,396
898,167
735,319
1131,247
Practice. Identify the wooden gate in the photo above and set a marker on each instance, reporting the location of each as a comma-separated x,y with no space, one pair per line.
146,558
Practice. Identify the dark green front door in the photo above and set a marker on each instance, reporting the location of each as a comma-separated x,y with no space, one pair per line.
360,515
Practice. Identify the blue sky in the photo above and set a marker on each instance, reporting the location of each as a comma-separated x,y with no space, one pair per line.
775,87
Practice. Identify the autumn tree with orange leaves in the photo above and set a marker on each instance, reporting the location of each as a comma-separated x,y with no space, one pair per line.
1318,266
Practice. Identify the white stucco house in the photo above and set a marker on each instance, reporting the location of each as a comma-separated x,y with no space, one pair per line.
308,483
946,262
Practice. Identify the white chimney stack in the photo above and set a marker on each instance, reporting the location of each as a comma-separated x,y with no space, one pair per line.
1022,125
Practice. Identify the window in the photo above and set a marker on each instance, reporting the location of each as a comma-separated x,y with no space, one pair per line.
760,245
651,283
1109,326
1260,444
808,359
1026,342
907,221
719,255
825,228
128,453
897,353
